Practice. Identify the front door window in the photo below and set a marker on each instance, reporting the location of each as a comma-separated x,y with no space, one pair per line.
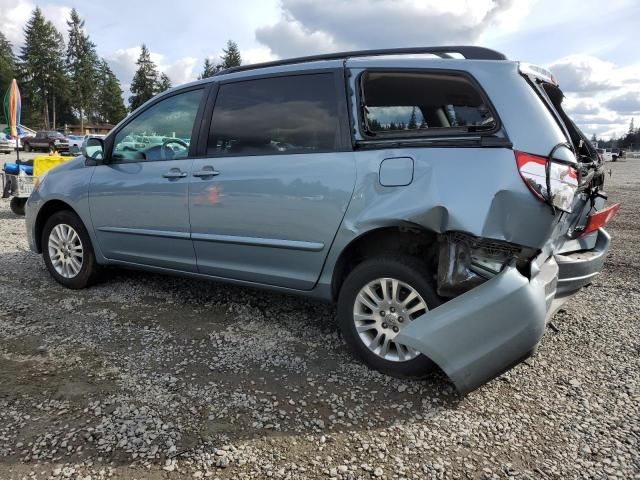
162,132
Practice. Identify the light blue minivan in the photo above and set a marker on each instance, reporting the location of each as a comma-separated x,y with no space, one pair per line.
441,196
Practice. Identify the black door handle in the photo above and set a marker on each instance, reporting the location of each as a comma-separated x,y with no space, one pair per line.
207,171
175,173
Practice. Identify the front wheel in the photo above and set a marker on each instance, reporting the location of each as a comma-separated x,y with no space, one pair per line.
27,147
377,300
67,251
17,205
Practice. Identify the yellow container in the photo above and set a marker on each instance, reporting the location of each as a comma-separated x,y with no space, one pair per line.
43,163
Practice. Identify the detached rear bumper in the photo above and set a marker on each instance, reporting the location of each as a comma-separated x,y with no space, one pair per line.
484,332
579,268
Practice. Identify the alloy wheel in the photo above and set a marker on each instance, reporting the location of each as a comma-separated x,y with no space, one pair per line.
65,250
381,310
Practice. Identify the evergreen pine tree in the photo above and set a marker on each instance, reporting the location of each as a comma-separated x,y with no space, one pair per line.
82,66
231,56
145,81
209,69
110,105
41,68
7,66
413,123
164,83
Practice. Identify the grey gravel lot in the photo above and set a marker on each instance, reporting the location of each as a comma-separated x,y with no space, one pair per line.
146,376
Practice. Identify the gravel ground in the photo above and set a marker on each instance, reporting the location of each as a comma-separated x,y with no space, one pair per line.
146,376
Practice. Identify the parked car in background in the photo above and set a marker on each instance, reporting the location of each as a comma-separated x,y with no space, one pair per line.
7,145
445,204
75,143
616,153
46,140
605,154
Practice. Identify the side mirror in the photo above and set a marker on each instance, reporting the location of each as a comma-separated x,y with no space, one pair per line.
93,148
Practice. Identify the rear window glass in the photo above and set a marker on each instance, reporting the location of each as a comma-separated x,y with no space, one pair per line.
279,115
410,103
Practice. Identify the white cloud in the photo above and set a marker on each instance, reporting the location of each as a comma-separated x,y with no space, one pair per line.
256,55
289,38
180,71
576,107
583,73
123,64
58,15
601,97
309,26
628,103
14,15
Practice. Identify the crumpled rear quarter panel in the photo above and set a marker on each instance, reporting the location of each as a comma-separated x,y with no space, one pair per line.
474,190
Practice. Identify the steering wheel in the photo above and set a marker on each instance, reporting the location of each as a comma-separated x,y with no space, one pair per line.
163,148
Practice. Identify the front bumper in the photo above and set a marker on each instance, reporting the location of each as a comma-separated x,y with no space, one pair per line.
482,333
31,212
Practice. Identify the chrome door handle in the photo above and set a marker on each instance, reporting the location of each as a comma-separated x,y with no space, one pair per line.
207,171
175,173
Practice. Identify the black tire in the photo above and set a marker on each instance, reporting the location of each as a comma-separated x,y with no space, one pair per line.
90,269
405,269
26,147
17,205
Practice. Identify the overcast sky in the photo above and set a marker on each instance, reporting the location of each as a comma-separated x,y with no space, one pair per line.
592,46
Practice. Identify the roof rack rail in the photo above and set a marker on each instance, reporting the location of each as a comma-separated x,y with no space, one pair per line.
468,52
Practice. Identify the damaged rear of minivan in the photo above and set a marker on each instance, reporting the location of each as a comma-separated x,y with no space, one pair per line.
479,210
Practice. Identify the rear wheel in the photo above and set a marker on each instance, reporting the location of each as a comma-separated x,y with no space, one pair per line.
377,300
17,205
67,251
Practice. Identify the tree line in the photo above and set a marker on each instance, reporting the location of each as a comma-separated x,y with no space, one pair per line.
629,141
71,84
148,81
60,84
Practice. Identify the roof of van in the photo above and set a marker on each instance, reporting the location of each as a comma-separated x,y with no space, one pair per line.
443,54
467,52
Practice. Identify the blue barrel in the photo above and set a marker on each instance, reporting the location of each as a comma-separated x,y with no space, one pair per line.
14,168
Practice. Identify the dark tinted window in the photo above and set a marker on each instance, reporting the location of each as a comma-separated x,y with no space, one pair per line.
413,103
296,114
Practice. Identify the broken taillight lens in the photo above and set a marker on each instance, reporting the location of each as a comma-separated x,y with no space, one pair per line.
563,179
600,219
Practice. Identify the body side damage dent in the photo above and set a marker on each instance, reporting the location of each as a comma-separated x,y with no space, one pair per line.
483,332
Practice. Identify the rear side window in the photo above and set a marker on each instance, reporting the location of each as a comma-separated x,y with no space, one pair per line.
413,103
279,115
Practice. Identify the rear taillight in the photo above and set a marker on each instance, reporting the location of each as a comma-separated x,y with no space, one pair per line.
600,219
563,179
